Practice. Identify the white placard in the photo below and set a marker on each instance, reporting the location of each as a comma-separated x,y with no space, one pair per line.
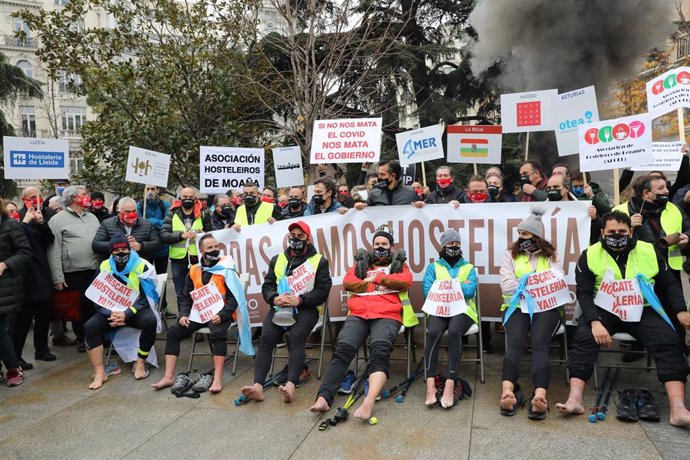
668,91
287,162
573,109
420,145
302,279
474,144
147,167
666,156
548,289
621,143
623,298
350,140
527,112
35,158
445,299
228,168
107,292
206,302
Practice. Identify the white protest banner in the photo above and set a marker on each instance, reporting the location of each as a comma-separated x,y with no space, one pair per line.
206,302
228,168
420,145
147,167
573,109
527,112
445,299
548,289
668,91
621,143
35,158
474,144
620,297
287,162
107,292
486,232
666,156
349,140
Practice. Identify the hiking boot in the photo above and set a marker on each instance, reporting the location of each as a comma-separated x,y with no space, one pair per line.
647,409
14,377
45,355
64,341
203,383
24,365
348,383
627,406
182,383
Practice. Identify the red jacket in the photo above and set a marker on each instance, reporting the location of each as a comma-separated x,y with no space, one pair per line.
377,306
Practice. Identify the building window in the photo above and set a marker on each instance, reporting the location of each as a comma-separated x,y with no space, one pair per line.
27,68
69,82
28,121
76,164
72,121
682,47
22,28
61,2
77,26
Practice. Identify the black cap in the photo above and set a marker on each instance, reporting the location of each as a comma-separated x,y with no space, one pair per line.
119,241
97,196
386,232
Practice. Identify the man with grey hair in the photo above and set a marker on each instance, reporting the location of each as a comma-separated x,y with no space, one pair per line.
72,262
446,190
56,204
141,234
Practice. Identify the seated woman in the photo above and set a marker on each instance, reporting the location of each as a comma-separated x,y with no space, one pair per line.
137,274
450,265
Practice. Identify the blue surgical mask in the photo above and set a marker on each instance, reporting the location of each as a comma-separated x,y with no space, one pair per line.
59,190
577,191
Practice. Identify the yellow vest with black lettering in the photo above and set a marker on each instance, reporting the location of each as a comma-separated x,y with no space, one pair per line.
132,278
523,267
671,222
442,274
262,215
179,250
642,259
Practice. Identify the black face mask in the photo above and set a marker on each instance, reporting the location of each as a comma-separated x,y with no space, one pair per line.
294,203
250,200
382,184
318,200
661,200
382,253
451,254
617,242
226,210
121,260
527,245
212,257
524,180
297,245
493,190
554,195
188,203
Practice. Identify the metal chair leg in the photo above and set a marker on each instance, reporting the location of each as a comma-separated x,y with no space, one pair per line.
191,355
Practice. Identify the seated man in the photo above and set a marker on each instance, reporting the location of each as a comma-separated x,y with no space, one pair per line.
306,288
379,282
199,276
619,256
139,275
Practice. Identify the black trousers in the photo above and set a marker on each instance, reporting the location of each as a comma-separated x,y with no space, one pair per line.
161,266
457,326
652,331
38,313
80,281
97,326
219,337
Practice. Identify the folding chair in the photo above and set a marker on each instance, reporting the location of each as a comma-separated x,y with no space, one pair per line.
408,335
244,278
622,336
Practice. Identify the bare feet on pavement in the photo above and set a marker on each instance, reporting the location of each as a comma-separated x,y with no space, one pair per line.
571,407
165,382
254,392
365,409
98,380
288,391
320,405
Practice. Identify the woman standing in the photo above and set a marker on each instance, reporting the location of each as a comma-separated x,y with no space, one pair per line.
530,253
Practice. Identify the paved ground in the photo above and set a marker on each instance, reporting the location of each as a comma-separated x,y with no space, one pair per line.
54,415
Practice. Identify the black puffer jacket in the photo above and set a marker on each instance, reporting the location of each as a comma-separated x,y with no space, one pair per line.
15,252
38,284
142,230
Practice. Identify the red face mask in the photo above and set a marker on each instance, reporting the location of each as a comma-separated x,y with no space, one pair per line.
477,197
282,204
344,193
97,204
266,199
237,201
420,192
15,215
128,218
83,201
35,203
444,183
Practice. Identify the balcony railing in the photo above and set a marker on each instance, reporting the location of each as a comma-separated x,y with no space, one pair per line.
70,134
11,41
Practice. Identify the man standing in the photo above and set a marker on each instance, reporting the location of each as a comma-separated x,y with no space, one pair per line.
533,182
296,206
254,210
223,214
446,190
323,200
389,190
344,197
97,207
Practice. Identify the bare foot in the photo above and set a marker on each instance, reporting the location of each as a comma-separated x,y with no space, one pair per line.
679,417
216,386
254,392
140,370
539,404
571,407
320,405
98,380
165,382
508,400
447,399
288,391
430,392
365,409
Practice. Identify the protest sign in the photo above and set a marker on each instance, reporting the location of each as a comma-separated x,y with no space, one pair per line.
107,292
302,279
548,289
408,175
666,156
228,168
486,232
420,145
287,162
350,140
206,302
623,298
527,112
573,109
34,158
147,167
611,144
474,144
668,91
445,299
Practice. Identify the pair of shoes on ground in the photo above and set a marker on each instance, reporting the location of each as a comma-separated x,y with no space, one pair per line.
44,355
637,404
14,377
184,384
520,398
461,389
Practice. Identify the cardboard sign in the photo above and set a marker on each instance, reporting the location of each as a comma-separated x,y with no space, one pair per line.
623,298
548,289
207,302
34,158
350,140
420,145
474,144
228,168
445,299
408,175
287,162
302,279
107,292
666,156
668,91
527,112
147,167
621,143
380,290
573,109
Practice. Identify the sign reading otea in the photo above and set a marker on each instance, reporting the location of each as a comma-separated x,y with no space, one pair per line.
228,168
574,109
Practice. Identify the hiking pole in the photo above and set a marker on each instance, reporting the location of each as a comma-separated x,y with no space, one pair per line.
597,406
385,394
342,413
243,399
601,415
401,397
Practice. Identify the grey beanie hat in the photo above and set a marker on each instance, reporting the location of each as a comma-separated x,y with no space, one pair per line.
532,223
449,236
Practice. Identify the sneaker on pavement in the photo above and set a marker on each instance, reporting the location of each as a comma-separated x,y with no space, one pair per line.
167,314
45,355
14,377
647,408
203,383
24,365
64,341
81,346
627,406
366,390
182,383
348,383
